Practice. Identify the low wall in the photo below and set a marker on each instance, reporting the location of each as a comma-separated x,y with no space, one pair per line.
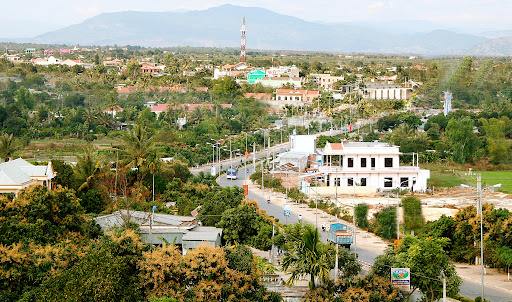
331,191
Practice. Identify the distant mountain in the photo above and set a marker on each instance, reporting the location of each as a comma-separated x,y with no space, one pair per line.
219,27
394,26
496,34
495,47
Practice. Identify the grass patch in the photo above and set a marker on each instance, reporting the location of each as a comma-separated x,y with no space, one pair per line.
490,178
442,176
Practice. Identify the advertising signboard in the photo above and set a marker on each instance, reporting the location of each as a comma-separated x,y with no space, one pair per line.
287,210
401,278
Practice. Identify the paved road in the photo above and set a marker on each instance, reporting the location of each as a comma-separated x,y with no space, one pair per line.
273,149
369,246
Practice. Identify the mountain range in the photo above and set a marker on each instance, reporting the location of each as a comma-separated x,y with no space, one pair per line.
220,27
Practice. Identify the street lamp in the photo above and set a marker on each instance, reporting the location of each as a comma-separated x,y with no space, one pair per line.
480,212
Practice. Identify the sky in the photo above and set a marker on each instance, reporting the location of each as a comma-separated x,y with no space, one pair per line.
31,17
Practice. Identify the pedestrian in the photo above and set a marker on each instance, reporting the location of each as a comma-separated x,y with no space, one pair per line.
300,218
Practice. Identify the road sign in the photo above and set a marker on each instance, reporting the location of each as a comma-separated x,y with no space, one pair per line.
246,190
401,278
287,210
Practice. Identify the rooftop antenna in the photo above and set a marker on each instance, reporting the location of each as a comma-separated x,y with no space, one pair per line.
243,58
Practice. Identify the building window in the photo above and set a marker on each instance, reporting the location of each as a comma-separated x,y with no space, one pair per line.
350,162
388,162
404,182
363,182
363,162
337,181
388,182
373,162
350,181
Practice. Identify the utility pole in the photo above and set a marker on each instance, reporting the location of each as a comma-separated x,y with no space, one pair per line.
262,182
354,218
254,155
272,251
480,212
336,263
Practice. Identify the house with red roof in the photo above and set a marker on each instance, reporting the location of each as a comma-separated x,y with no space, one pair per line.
231,70
157,109
151,68
259,96
113,111
71,63
297,95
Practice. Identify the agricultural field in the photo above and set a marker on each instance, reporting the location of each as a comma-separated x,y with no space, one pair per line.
67,149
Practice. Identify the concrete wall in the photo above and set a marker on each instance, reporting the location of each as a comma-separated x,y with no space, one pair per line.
341,191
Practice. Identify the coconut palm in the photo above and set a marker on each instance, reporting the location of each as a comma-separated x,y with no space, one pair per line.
137,147
308,256
105,119
87,166
8,146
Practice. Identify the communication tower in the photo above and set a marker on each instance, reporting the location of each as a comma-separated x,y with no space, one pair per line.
242,47
447,108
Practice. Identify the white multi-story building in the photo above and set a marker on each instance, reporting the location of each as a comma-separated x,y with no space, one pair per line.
284,71
384,91
369,164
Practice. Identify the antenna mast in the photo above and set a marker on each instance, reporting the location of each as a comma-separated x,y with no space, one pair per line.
242,47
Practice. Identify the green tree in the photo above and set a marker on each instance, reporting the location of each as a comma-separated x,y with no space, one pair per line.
362,215
385,223
65,175
226,85
413,217
460,135
9,145
244,225
505,258
217,201
428,262
93,201
497,145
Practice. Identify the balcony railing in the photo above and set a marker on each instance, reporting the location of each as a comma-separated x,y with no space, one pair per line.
367,169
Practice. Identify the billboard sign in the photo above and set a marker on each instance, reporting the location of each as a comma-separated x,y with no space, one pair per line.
287,210
401,278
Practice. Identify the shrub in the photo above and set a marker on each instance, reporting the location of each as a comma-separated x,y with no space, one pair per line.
361,212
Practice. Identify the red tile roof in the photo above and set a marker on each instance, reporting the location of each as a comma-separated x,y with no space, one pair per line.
259,96
160,108
336,146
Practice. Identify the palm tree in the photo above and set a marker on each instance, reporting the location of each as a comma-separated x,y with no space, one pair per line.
138,145
105,119
8,146
308,256
87,166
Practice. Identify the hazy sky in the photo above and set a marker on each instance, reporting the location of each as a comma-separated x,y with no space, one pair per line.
37,15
